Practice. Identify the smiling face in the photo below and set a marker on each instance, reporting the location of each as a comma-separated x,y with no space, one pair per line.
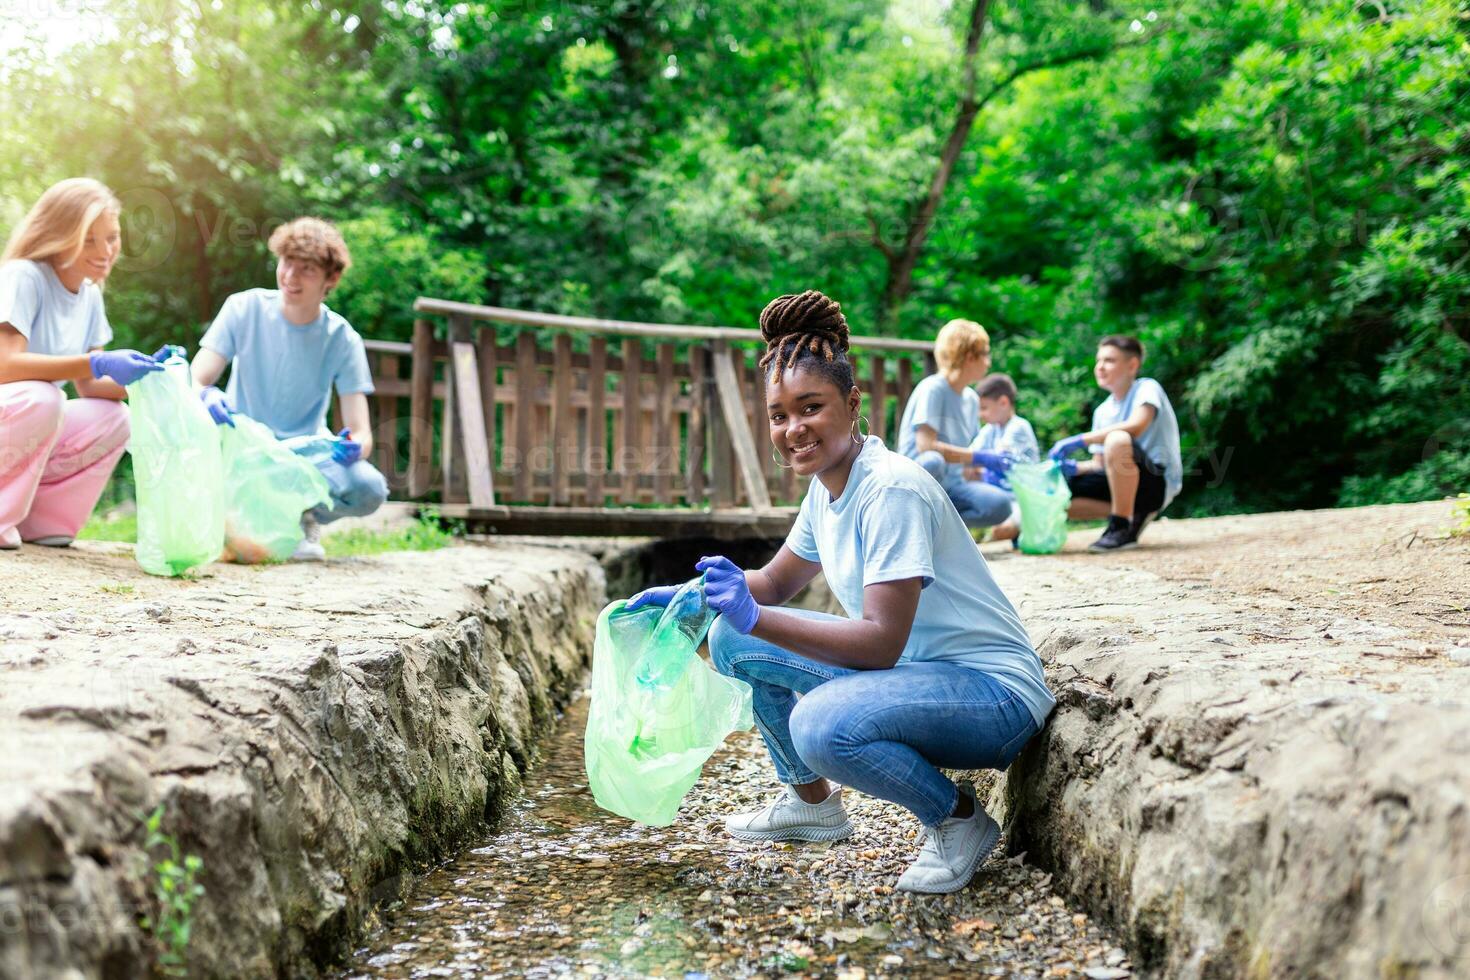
100,250
811,421
1115,369
303,283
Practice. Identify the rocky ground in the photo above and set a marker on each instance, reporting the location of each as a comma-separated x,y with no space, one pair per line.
1301,606
563,888
309,732
1260,762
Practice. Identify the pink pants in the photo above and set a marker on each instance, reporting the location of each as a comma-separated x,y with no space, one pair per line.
55,457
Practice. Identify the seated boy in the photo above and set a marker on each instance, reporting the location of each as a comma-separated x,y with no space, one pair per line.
287,351
1004,434
942,418
1136,468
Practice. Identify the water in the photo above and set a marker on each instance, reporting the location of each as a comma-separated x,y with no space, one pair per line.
563,888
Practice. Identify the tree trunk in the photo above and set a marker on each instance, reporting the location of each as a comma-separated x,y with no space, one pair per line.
901,261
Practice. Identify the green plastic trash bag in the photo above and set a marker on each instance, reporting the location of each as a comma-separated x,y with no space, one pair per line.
178,472
658,709
267,488
1042,492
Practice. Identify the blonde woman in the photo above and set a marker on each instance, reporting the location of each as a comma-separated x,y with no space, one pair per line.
57,453
942,419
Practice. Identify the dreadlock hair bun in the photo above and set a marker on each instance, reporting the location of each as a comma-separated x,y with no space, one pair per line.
806,329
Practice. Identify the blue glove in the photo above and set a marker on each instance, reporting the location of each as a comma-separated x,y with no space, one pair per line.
346,451
1066,447
218,405
1068,467
659,595
123,366
995,478
997,462
727,594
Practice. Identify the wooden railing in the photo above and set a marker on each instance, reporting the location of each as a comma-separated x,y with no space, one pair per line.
541,415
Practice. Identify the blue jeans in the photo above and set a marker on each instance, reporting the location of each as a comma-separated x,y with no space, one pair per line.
979,503
883,732
357,490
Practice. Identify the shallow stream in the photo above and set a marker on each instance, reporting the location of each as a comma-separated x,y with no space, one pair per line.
563,888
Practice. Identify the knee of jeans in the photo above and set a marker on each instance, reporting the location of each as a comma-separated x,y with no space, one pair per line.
820,732
932,462
367,491
723,639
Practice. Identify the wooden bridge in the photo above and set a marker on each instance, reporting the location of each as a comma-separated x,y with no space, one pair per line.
522,422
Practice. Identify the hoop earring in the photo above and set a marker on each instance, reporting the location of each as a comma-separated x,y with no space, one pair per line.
777,458
857,434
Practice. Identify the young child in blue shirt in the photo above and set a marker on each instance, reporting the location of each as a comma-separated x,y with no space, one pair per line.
287,351
1007,435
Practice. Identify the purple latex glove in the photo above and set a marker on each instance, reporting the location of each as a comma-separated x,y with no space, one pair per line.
218,405
995,478
123,366
348,450
727,593
1068,467
659,595
1066,447
996,462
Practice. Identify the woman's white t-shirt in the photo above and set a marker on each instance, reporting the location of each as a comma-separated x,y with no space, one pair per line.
53,319
893,521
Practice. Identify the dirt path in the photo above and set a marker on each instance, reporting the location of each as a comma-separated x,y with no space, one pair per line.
1392,565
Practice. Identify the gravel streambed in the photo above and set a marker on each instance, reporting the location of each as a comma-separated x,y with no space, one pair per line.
563,888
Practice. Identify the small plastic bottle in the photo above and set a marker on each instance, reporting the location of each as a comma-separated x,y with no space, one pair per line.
674,639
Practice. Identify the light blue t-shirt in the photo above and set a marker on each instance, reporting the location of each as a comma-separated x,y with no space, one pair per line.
953,415
53,319
1160,441
283,373
894,522
1015,437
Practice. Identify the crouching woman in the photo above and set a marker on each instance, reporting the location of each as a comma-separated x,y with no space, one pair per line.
56,454
929,668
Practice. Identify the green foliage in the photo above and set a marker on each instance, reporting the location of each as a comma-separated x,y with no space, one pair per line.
176,889
110,526
427,533
1461,516
1273,195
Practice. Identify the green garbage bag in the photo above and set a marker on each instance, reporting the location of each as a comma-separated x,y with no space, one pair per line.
177,469
1042,492
267,488
658,709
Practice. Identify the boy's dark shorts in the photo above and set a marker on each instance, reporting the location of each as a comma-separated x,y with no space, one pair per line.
1150,495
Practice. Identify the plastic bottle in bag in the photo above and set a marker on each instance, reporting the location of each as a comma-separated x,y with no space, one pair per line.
178,471
658,710
1044,496
685,621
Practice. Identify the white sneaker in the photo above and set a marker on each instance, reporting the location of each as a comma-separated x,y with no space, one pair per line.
951,852
788,817
310,548
54,541
9,539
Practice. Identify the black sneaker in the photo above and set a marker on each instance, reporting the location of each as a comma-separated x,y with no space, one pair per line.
1139,523
1119,536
